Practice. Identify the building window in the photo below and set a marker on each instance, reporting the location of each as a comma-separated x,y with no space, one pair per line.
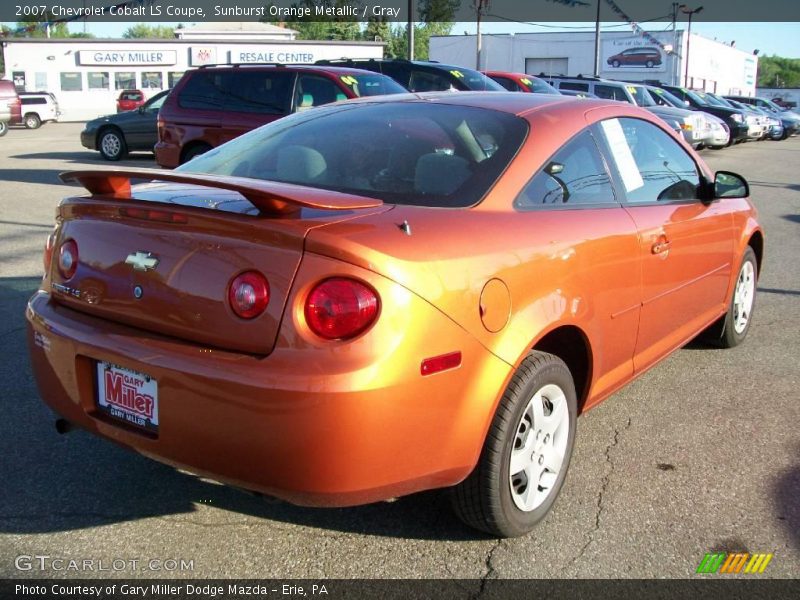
41,81
152,79
173,77
97,80
125,80
71,82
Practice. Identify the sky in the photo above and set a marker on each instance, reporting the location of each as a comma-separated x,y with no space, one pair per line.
781,39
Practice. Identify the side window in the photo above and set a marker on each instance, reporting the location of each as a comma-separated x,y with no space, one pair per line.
575,176
259,91
423,81
204,91
397,72
652,165
610,92
571,85
314,91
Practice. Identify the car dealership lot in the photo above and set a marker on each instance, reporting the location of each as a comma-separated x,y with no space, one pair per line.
701,454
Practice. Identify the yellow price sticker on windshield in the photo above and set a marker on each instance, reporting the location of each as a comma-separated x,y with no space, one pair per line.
456,73
525,80
631,89
348,80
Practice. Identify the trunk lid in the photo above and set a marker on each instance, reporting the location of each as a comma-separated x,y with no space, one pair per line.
161,257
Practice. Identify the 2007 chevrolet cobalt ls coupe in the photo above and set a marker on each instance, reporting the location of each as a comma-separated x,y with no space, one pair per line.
391,295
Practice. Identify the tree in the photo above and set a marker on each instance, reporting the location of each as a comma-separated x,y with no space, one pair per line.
777,71
37,27
143,30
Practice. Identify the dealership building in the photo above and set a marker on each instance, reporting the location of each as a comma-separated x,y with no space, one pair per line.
87,75
713,66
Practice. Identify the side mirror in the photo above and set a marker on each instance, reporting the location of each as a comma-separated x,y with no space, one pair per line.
730,185
141,109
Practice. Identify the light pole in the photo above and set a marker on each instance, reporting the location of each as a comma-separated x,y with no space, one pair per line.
688,11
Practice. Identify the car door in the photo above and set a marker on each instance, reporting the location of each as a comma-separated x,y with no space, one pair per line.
686,245
592,263
141,130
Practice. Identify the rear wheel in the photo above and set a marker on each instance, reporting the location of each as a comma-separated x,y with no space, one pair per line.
526,453
111,144
649,64
194,151
32,121
3,128
740,311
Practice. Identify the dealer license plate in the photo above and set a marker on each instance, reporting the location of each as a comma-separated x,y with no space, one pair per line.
128,395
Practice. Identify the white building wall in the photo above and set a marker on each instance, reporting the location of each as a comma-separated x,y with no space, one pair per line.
713,65
154,64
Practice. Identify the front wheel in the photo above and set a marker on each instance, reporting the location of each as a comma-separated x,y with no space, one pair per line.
3,128
526,453
112,144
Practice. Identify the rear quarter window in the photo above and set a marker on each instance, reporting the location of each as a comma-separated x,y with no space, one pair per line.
205,90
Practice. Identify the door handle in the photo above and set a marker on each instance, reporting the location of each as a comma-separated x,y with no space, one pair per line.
661,247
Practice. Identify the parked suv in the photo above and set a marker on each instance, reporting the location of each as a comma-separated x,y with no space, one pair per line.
423,76
212,105
691,126
9,96
790,120
38,108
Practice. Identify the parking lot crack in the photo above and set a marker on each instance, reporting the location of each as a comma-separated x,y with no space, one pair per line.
600,504
490,569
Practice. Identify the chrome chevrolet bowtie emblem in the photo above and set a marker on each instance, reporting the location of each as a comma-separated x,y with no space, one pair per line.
142,261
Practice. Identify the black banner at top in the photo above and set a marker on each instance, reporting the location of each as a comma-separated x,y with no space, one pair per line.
537,11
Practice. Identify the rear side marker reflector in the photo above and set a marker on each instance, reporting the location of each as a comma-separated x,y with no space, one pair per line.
443,362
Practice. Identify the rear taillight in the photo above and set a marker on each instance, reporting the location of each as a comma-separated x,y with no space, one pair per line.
248,294
68,259
48,251
340,308
160,129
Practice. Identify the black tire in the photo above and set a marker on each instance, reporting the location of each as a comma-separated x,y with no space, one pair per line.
194,151
484,499
3,128
32,121
615,64
111,144
649,64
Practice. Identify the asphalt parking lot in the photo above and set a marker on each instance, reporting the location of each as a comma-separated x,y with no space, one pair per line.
700,454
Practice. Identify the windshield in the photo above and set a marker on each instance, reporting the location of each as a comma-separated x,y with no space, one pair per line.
475,81
372,85
696,97
419,153
537,86
640,95
723,101
710,100
666,98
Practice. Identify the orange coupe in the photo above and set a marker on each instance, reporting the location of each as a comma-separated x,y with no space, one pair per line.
390,295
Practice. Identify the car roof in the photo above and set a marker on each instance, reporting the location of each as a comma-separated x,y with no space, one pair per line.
508,102
299,67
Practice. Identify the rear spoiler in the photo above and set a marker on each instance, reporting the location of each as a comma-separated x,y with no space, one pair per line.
266,196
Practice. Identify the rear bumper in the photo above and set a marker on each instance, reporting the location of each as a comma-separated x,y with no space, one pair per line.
320,429
167,155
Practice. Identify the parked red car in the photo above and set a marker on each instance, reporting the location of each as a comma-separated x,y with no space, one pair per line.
9,96
212,105
130,100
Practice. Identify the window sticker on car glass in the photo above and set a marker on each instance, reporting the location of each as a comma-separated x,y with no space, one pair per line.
348,80
631,89
623,157
456,73
525,80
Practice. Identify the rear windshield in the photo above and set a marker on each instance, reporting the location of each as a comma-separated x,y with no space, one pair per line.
472,80
372,85
417,153
538,86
